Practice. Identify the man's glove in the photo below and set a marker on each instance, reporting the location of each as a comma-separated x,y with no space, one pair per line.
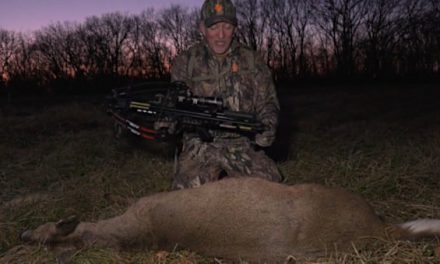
165,127
264,139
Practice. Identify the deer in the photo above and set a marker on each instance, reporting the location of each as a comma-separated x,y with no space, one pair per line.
238,219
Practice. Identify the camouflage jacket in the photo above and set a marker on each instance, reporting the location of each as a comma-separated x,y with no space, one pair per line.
241,78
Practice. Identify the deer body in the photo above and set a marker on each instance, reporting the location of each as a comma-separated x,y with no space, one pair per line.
242,218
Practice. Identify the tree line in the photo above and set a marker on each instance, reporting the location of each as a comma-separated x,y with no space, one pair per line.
299,39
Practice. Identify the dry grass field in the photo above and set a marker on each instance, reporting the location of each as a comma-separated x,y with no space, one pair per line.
381,142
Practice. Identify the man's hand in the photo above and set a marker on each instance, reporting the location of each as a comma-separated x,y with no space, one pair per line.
264,139
165,127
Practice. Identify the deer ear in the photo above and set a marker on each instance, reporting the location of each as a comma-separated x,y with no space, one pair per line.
66,226
26,236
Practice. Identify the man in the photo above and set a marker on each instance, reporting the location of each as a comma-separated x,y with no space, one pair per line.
221,67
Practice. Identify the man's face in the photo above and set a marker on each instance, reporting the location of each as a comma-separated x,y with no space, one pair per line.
218,36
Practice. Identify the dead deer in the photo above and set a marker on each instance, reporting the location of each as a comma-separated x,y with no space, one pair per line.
241,218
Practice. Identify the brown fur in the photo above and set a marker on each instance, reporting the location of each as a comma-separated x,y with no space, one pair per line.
245,218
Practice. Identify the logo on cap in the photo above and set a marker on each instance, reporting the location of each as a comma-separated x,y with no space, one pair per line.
218,8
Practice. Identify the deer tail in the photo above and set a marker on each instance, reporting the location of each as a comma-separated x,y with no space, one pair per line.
417,229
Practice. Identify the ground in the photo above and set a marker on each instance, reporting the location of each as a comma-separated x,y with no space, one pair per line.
381,141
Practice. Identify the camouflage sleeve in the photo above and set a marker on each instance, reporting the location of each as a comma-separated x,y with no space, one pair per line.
179,68
266,104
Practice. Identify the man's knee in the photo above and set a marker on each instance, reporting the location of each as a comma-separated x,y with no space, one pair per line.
265,167
179,183
194,176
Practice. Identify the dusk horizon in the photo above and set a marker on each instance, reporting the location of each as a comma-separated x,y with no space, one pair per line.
27,16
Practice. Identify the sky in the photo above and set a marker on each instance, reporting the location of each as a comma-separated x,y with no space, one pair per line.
29,15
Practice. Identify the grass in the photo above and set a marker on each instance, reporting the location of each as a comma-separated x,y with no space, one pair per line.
382,142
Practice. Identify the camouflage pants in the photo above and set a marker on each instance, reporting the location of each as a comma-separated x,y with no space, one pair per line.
201,162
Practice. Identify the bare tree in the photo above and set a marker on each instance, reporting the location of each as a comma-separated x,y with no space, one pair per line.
340,21
61,50
117,28
418,39
251,23
380,38
24,71
149,54
51,45
8,49
284,43
178,27
268,33
106,37
434,21
303,13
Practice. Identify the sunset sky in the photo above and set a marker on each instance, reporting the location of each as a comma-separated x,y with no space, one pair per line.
29,15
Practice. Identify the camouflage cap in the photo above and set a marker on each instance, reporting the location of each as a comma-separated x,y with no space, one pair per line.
214,11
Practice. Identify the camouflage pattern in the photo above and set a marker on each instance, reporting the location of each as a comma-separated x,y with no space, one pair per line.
245,83
214,11
202,162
